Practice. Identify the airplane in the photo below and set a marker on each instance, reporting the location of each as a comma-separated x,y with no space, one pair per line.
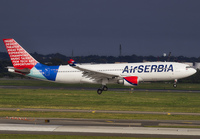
128,74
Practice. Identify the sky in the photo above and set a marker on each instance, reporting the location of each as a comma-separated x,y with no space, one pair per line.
98,27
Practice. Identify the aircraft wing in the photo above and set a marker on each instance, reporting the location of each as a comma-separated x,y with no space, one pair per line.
93,74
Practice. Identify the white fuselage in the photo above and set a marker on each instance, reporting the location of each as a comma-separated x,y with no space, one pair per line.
150,71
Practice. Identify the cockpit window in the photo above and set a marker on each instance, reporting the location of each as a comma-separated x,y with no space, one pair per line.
189,67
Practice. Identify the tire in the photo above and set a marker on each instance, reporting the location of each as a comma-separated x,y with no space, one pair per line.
105,88
174,85
99,91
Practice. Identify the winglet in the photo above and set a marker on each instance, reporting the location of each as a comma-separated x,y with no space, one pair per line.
71,62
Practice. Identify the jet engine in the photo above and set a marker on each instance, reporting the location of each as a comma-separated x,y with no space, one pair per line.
129,81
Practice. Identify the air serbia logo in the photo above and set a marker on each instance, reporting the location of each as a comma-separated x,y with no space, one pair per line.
148,68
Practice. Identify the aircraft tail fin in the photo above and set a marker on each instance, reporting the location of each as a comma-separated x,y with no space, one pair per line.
20,58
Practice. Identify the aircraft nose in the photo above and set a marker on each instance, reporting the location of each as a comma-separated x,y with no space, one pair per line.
193,71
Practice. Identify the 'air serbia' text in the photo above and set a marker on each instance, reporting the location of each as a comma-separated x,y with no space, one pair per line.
148,68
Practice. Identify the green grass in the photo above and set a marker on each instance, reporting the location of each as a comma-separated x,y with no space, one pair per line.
59,98
110,100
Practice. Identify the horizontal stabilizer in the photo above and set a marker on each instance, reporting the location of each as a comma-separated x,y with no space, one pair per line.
20,71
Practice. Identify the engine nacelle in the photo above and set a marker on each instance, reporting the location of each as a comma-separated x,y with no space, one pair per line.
129,81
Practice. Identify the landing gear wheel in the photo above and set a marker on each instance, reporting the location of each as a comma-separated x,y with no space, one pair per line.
174,85
99,91
105,88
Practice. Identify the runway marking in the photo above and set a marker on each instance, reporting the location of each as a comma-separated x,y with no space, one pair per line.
109,121
178,125
187,122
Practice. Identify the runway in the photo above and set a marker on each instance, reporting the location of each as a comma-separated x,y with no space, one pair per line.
94,89
93,127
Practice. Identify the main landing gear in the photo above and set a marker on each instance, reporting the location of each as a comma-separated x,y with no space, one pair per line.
103,88
175,83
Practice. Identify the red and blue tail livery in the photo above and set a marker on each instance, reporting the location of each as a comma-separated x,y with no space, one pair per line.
19,57
128,74
24,63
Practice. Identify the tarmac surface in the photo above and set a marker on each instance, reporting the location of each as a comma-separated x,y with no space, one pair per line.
97,127
90,88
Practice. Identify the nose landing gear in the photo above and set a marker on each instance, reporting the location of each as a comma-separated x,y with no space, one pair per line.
175,83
